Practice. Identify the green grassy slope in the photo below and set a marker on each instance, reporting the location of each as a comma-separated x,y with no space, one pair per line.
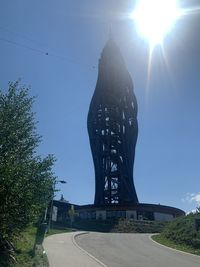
181,234
28,251
119,226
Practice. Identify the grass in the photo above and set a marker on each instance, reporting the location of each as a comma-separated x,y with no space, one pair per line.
182,234
59,230
134,226
93,225
119,226
182,247
28,252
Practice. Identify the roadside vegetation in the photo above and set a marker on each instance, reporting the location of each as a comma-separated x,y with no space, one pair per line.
182,234
26,179
117,226
59,229
28,249
133,226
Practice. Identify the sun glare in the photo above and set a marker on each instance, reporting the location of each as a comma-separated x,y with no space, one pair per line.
155,18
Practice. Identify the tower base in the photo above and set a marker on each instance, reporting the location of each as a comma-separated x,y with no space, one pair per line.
140,211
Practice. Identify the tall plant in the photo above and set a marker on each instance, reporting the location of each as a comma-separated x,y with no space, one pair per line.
26,179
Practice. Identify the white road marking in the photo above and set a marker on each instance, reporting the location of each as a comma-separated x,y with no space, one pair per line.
183,252
83,250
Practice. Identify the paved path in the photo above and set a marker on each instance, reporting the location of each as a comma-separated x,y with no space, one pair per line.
63,252
133,250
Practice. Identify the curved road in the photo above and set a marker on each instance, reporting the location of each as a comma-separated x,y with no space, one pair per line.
112,250
62,251
133,250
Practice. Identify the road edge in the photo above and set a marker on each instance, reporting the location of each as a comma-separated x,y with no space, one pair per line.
183,252
85,251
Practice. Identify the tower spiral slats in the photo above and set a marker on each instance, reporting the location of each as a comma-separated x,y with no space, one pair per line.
113,130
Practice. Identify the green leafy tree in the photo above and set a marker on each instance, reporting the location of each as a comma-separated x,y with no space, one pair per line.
26,179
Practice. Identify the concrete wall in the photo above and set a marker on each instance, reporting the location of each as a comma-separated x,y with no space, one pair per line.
163,216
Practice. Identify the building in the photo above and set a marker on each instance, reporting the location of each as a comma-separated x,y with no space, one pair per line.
113,130
139,211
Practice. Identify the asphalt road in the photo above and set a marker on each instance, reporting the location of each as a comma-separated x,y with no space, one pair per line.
62,251
133,250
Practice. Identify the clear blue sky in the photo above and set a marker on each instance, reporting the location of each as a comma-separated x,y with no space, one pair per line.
73,33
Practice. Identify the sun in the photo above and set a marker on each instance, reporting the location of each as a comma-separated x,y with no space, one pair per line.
154,19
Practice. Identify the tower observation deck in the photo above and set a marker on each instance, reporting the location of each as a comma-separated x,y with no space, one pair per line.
113,130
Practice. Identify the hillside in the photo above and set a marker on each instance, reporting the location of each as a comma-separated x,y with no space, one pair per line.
182,234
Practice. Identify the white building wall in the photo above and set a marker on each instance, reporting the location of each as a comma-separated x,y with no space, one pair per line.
131,214
163,216
54,213
101,214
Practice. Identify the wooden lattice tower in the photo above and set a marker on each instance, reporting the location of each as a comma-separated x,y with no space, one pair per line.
113,129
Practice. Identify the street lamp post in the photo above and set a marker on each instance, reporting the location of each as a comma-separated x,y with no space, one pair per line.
51,206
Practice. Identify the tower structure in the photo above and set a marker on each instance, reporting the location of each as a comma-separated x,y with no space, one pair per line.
113,130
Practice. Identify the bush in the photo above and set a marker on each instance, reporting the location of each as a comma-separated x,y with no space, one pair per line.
26,179
183,231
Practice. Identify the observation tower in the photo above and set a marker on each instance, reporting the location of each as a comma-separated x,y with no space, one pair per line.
113,130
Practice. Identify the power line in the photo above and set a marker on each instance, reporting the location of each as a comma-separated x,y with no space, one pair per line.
46,53
25,46
20,35
29,47
38,50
